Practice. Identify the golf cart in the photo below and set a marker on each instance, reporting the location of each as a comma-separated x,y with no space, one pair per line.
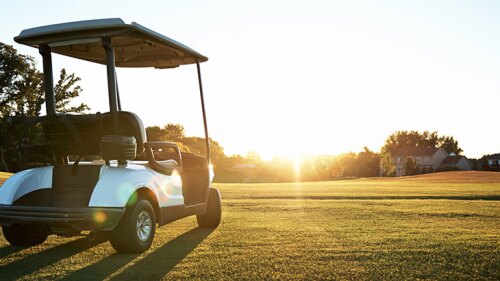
119,194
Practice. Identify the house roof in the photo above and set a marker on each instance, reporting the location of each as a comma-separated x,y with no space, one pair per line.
417,151
452,159
494,157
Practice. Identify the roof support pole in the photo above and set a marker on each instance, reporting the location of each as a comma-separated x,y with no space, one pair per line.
207,140
110,66
48,79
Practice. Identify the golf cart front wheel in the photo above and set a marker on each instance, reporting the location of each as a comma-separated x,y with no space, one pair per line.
136,230
211,218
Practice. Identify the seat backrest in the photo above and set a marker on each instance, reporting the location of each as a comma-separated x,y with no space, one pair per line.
68,134
129,124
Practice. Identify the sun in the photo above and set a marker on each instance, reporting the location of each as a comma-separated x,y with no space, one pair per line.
297,163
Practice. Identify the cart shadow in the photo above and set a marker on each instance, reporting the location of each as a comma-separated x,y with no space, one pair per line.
8,250
152,267
36,261
165,258
101,269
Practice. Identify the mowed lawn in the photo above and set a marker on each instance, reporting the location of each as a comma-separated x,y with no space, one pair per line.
442,226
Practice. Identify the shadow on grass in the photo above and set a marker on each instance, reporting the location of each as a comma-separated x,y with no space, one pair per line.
162,260
34,262
101,269
7,250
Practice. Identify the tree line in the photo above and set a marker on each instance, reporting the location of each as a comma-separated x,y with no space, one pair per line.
365,163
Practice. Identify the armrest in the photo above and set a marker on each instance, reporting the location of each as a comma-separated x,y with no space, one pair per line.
162,144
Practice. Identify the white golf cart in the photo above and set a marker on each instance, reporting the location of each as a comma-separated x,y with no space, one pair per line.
117,195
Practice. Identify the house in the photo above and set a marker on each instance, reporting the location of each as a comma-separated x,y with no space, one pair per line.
490,162
457,162
430,159
493,160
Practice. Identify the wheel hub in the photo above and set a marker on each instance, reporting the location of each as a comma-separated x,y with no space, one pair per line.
144,226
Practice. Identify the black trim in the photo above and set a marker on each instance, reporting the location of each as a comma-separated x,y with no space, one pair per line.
111,73
48,79
195,179
77,218
173,213
207,139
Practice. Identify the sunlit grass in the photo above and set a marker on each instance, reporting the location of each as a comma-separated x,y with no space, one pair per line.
428,229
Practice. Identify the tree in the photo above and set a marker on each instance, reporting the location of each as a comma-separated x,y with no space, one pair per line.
253,157
388,164
402,139
368,163
66,90
154,133
21,86
21,91
174,132
410,166
22,94
449,144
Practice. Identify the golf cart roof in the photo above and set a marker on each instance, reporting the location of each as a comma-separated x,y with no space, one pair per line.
134,44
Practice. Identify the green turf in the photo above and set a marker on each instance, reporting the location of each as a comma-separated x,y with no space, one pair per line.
441,229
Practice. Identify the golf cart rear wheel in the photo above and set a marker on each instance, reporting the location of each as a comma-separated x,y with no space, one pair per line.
136,230
212,216
25,235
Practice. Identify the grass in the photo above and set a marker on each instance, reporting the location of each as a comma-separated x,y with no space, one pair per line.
441,226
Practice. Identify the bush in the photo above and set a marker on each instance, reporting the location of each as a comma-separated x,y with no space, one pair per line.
447,169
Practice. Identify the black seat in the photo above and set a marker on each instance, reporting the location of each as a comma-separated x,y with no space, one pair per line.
129,124
68,134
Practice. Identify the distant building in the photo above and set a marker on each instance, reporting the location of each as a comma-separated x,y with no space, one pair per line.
490,162
430,159
457,161
494,160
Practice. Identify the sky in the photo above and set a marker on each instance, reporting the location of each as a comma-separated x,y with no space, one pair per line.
299,78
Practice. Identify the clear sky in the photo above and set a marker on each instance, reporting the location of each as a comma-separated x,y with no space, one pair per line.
288,78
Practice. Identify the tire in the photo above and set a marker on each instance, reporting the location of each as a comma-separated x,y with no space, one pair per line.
136,230
25,235
211,218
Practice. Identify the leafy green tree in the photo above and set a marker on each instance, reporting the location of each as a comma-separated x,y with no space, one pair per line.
388,165
403,139
410,166
21,91
22,94
198,145
65,90
21,86
449,144
174,132
154,133
368,163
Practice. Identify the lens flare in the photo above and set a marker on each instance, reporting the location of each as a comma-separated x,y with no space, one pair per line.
100,217
176,179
